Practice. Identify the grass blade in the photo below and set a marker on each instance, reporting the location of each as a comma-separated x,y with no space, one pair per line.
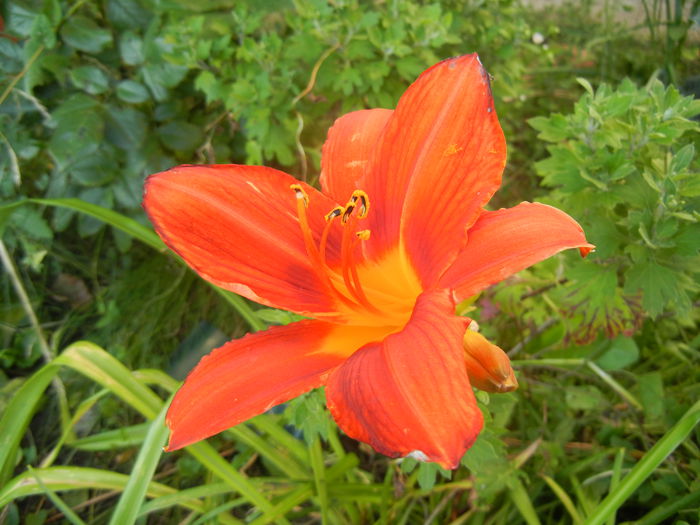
58,502
522,501
18,414
94,362
564,498
210,459
316,455
72,478
117,220
646,466
126,511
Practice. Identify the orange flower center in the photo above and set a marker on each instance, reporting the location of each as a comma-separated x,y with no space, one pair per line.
370,293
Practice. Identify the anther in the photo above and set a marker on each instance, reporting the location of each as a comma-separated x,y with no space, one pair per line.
363,235
359,195
300,193
347,213
335,212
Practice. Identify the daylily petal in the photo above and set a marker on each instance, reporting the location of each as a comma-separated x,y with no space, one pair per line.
440,160
348,149
506,241
410,394
247,376
237,226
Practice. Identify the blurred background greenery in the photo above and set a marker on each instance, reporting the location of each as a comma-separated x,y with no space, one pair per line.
597,101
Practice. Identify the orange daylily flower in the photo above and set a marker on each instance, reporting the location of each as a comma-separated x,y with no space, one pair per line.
377,260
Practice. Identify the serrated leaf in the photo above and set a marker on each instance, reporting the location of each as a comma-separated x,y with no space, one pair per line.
43,32
125,127
180,136
84,34
131,48
132,92
30,222
682,158
79,128
658,284
90,79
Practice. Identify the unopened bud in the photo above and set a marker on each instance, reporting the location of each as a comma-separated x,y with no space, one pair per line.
488,367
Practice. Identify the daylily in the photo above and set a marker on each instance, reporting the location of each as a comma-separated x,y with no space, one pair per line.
377,260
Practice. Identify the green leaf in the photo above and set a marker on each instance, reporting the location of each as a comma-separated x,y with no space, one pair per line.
658,284
132,92
554,128
75,478
622,352
126,511
95,363
17,415
180,136
117,220
682,158
651,394
90,79
30,222
126,127
131,48
84,34
113,439
584,398
43,32
79,129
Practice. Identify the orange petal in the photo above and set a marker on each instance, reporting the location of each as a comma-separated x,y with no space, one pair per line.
410,394
247,376
347,150
488,367
506,241
439,162
237,226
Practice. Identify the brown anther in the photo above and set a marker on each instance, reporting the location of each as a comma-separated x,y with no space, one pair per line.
347,213
335,212
300,193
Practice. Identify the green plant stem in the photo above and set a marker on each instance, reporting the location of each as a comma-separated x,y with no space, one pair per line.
46,352
25,302
646,466
20,75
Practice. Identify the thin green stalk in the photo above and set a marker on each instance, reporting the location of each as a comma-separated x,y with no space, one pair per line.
56,500
316,456
615,479
242,307
564,498
19,76
34,321
617,387
646,466
25,302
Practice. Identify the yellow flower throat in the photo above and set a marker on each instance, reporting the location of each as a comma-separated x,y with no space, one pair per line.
369,293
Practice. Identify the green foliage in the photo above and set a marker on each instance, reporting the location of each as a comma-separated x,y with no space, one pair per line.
96,95
623,163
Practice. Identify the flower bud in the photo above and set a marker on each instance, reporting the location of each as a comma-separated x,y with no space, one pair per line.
488,367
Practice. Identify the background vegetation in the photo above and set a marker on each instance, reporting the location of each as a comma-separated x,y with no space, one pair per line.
597,103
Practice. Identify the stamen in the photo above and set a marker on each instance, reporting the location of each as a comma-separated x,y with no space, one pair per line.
347,213
349,269
357,208
301,194
364,203
335,212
